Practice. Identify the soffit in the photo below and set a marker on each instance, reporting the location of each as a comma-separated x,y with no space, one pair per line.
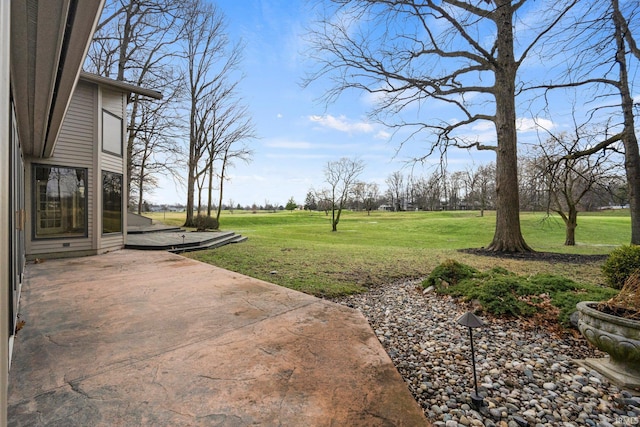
49,40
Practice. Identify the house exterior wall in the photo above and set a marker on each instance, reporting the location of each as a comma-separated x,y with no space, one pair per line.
5,212
80,146
114,102
16,223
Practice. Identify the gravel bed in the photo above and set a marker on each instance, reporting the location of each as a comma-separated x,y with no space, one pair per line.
527,375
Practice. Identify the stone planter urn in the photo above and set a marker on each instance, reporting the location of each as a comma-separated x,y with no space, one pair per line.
617,336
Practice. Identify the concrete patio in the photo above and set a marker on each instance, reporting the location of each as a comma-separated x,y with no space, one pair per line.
151,338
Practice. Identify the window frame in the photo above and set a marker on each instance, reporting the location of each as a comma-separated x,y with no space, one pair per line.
102,213
35,200
107,113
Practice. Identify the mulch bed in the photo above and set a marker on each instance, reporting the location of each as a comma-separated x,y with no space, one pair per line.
550,257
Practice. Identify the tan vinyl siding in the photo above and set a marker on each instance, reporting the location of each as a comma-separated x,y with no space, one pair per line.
74,148
58,246
113,102
76,142
112,241
111,163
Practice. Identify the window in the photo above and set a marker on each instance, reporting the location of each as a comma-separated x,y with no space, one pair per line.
111,202
111,133
60,202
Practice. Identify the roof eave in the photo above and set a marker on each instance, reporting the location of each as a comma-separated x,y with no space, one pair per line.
49,41
120,85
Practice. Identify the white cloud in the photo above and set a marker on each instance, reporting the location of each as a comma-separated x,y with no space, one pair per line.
483,126
342,124
279,115
525,124
382,134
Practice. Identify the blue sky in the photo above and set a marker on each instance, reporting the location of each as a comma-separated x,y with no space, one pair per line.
298,133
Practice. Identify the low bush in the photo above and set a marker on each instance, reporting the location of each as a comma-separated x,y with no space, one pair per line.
204,222
621,263
503,293
450,272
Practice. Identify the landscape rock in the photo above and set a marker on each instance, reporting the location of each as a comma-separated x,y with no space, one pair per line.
526,374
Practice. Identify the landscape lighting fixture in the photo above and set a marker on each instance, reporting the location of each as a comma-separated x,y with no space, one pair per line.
471,321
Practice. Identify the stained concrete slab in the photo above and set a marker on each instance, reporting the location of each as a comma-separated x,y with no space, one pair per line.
151,338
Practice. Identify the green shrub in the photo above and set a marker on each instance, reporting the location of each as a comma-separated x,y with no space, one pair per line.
621,263
497,293
503,293
451,272
204,222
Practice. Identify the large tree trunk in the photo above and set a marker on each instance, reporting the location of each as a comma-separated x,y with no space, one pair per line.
191,181
631,153
131,136
199,198
571,223
141,188
632,167
190,190
507,237
334,223
193,161
210,190
221,193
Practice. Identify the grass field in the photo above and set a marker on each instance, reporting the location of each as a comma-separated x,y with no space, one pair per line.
299,251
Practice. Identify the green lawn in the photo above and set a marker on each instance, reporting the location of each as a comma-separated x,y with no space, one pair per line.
299,251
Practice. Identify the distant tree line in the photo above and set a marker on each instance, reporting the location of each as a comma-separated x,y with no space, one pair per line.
547,182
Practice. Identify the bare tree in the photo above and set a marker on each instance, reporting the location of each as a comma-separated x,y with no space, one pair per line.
324,200
429,192
456,193
134,42
450,53
395,187
371,196
569,180
358,192
341,175
533,190
215,114
479,186
230,153
606,60
154,150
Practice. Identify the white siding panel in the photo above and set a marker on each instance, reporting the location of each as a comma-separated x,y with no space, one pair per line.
76,144
112,163
109,241
113,102
54,246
